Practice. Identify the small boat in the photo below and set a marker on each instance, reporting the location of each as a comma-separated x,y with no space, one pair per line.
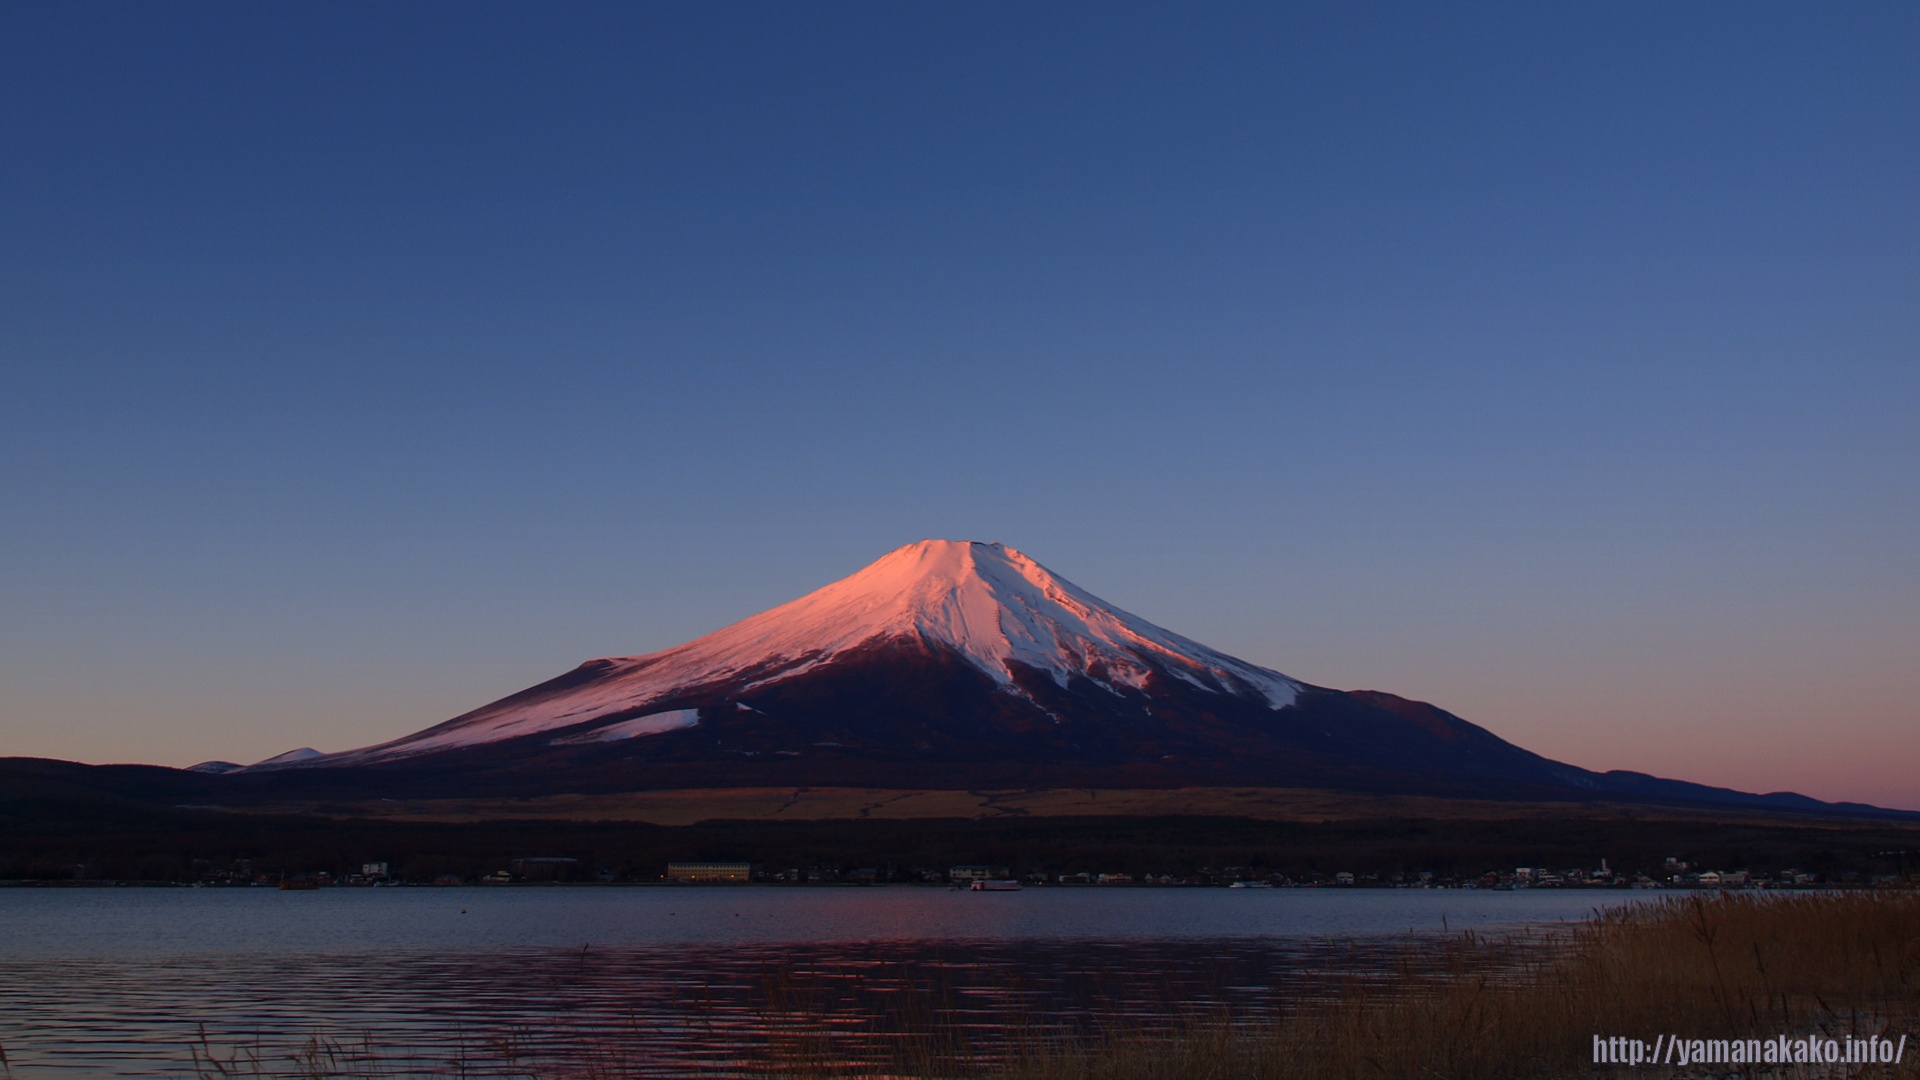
300,884
996,886
1251,885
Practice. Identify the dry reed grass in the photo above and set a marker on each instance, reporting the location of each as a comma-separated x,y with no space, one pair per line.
1705,966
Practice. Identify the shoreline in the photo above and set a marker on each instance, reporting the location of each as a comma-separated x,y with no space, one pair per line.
1763,889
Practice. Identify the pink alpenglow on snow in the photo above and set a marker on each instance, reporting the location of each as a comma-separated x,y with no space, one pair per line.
988,602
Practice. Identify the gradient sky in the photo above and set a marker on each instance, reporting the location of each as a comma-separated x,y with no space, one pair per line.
1559,364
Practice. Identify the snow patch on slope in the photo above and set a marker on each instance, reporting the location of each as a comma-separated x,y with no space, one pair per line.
650,724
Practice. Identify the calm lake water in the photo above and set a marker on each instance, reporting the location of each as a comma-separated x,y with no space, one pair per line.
687,981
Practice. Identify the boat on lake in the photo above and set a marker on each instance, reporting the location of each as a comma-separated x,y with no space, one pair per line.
996,886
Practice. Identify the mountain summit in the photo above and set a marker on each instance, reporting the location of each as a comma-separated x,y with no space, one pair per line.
986,606
948,663
951,664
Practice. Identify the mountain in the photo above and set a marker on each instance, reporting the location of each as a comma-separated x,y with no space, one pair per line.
980,614
949,664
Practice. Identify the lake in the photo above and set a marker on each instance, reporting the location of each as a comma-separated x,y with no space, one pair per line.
670,981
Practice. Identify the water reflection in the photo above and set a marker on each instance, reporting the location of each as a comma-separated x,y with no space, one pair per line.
685,1011
670,983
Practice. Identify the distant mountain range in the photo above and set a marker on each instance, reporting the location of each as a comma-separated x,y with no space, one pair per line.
950,665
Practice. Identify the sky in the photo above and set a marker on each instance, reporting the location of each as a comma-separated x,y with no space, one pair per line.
1558,364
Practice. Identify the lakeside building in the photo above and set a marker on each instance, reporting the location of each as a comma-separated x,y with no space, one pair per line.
977,873
544,868
710,871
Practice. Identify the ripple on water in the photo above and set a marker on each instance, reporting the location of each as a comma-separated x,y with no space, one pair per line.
689,993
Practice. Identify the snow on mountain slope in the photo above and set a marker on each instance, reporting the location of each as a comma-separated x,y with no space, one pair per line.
993,605
650,724
291,757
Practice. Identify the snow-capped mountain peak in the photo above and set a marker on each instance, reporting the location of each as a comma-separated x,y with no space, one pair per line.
998,608
947,665
992,605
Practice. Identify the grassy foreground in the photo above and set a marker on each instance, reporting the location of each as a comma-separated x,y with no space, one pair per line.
1731,966
1727,966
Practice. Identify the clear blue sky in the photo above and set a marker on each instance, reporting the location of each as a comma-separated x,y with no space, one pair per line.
1556,363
